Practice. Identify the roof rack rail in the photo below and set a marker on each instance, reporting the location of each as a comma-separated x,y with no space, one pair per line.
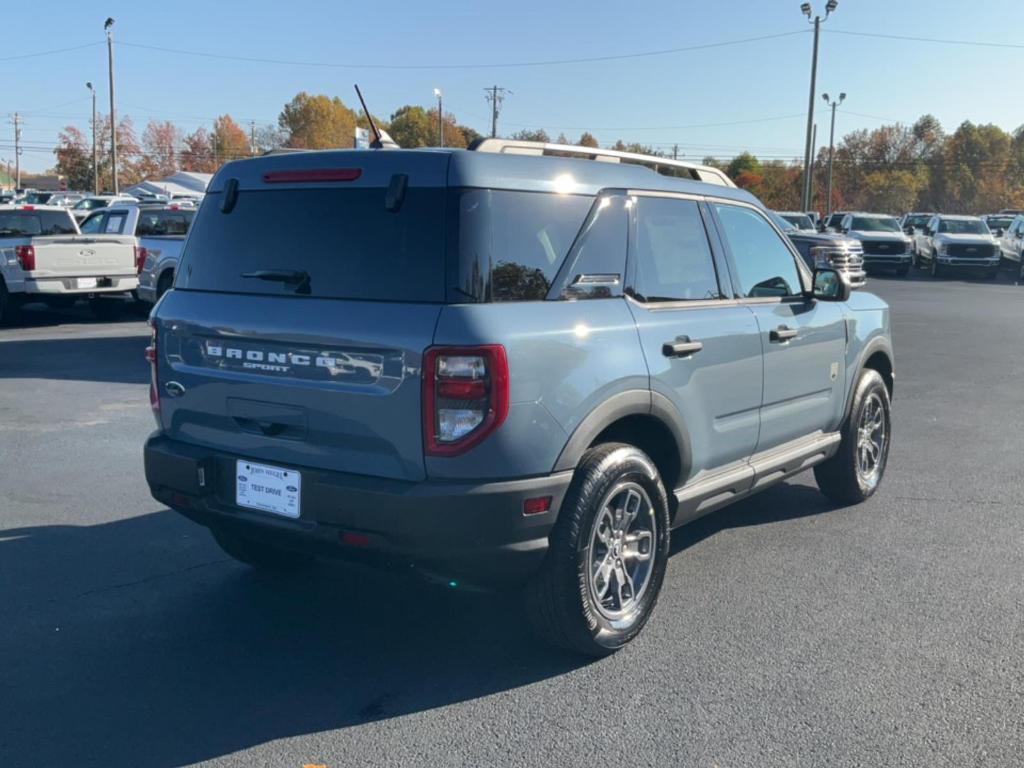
663,165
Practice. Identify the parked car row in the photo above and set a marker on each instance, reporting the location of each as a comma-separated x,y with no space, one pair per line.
940,243
123,249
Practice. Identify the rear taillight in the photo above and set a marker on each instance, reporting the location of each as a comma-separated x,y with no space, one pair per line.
151,358
465,397
26,255
140,258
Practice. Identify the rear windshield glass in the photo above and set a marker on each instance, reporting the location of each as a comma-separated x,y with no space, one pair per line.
163,223
918,221
29,223
345,240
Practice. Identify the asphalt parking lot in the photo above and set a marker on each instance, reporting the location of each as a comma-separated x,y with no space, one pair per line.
789,632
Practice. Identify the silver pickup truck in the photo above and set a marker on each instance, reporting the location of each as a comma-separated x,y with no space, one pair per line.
160,233
44,257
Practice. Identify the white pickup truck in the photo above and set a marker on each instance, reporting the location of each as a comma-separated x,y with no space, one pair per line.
44,257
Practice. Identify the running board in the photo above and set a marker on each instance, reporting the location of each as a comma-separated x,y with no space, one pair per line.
742,479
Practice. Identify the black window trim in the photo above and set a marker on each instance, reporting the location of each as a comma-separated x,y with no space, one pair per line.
802,270
724,278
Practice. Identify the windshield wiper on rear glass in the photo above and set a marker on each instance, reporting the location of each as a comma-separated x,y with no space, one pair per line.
297,277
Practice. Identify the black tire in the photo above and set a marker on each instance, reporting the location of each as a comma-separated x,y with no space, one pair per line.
561,600
163,285
1020,273
915,260
935,267
6,304
992,273
903,270
256,554
106,309
839,477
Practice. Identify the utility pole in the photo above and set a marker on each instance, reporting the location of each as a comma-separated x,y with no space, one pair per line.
440,117
831,145
495,95
95,164
17,150
805,8
814,151
252,138
675,151
108,25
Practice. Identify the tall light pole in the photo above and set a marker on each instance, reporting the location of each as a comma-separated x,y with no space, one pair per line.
108,26
831,146
440,118
830,8
95,164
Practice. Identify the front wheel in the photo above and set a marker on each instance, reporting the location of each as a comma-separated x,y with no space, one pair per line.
903,270
607,557
936,268
855,472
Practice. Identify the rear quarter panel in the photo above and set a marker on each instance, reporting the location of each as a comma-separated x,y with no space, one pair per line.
565,358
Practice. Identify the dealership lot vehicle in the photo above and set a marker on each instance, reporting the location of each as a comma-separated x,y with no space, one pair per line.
883,241
821,249
1011,245
159,230
84,207
955,242
43,257
308,401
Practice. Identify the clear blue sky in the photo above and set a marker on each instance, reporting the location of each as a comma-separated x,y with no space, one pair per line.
657,99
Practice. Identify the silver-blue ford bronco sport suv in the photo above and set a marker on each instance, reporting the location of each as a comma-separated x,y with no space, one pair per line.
503,365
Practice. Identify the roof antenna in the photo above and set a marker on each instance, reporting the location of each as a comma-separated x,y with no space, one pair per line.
380,138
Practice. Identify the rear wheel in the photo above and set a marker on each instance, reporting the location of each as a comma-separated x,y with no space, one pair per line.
1020,271
903,270
256,554
608,553
855,472
992,273
163,285
6,304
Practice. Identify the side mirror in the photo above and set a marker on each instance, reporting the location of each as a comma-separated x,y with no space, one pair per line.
999,232
830,285
908,230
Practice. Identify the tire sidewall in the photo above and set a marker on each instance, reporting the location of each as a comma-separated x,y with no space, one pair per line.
623,465
870,382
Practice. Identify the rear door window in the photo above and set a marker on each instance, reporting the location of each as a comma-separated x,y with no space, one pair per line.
673,259
345,240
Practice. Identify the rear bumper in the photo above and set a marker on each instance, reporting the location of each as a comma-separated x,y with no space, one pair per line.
471,532
59,286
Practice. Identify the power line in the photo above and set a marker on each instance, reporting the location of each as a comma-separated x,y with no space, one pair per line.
913,39
49,52
478,65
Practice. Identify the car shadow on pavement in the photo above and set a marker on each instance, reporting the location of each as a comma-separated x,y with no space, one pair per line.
115,359
138,642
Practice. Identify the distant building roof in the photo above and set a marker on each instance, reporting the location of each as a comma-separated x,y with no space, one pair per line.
180,183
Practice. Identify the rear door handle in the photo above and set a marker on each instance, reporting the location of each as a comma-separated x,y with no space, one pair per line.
782,333
681,347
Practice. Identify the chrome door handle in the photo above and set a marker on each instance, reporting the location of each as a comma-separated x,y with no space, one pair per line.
782,333
682,346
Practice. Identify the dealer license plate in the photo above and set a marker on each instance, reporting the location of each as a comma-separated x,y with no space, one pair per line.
267,488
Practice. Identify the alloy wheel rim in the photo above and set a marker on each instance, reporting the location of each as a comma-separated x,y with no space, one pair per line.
620,555
872,440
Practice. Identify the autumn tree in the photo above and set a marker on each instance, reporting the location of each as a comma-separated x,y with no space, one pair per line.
413,126
317,122
74,158
160,143
74,155
229,141
587,140
531,135
197,152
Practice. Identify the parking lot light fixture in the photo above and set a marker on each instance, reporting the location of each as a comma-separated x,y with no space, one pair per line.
807,11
